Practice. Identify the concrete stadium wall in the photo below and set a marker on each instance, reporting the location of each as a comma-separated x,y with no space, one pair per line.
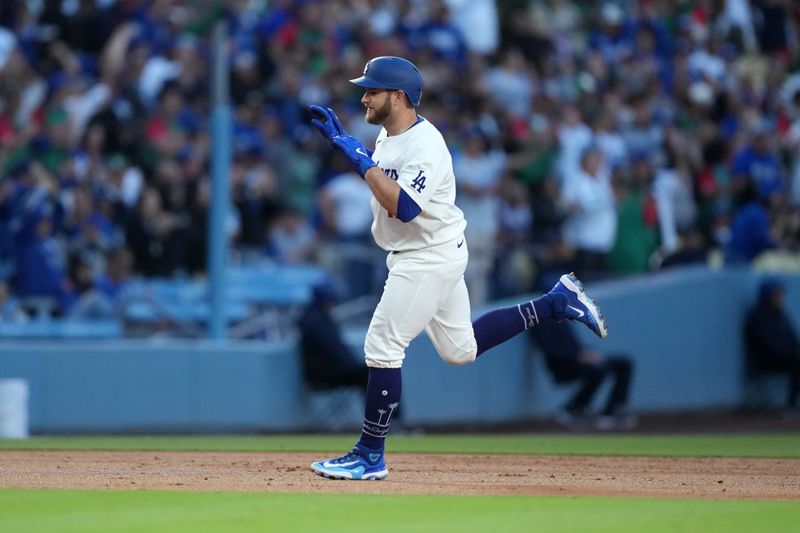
682,329
162,386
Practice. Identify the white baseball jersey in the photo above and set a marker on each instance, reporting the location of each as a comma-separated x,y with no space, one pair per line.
418,159
425,290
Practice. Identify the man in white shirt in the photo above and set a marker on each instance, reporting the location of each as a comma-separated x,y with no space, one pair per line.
479,170
592,224
344,206
416,221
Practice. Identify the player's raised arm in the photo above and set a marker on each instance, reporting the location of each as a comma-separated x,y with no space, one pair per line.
384,188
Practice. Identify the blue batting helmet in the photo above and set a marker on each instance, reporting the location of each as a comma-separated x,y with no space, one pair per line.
389,72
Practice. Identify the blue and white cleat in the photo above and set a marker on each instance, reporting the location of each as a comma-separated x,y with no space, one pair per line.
359,463
579,306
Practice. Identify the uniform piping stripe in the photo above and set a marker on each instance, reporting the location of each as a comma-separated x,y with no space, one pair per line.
524,322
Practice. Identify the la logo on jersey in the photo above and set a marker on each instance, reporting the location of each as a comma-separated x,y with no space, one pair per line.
419,182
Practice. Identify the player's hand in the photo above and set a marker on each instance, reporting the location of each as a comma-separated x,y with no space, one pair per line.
356,153
326,122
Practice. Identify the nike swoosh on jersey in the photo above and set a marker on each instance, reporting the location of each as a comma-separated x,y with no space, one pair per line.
362,152
459,244
580,313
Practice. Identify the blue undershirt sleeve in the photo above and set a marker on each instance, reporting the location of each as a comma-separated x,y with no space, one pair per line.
407,208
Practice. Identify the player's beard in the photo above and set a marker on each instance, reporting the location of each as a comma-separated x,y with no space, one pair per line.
380,114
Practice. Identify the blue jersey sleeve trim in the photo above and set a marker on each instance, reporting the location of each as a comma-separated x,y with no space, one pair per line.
407,208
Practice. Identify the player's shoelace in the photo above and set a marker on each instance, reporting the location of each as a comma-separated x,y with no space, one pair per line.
349,456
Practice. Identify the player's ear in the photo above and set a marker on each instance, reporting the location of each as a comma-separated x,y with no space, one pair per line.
402,97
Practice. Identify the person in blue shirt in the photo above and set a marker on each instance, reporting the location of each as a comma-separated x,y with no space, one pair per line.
751,228
758,164
41,269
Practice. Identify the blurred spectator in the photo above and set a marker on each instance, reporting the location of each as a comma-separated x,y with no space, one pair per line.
644,136
771,340
514,268
509,84
291,239
574,138
117,276
103,104
637,220
479,169
609,139
86,228
568,360
675,203
477,24
559,21
751,231
327,361
758,164
591,227
155,236
554,255
691,250
10,309
442,37
344,203
612,37
89,302
42,268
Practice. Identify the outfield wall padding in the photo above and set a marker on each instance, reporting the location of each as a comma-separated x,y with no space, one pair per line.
681,327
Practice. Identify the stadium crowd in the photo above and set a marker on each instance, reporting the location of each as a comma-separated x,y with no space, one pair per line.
605,137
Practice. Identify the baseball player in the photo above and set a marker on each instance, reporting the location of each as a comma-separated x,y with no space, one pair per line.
416,221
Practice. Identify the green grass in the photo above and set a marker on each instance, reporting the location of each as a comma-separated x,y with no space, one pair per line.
156,511
64,511
716,445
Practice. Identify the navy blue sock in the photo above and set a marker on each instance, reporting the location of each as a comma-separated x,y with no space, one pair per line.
383,397
499,325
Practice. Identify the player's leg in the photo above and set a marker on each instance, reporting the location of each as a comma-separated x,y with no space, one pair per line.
450,330
459,341
566,300
455,337
409,300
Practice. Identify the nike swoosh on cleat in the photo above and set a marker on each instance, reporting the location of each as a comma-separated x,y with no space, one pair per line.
328,464
362,152
580,313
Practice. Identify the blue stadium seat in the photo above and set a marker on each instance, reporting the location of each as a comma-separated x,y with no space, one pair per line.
64,329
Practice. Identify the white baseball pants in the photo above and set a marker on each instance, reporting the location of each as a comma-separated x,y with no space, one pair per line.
425,290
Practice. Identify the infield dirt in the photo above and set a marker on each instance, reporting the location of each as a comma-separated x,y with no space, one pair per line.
674,477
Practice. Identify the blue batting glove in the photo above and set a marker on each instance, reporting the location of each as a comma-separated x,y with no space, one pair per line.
356,153
326,122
